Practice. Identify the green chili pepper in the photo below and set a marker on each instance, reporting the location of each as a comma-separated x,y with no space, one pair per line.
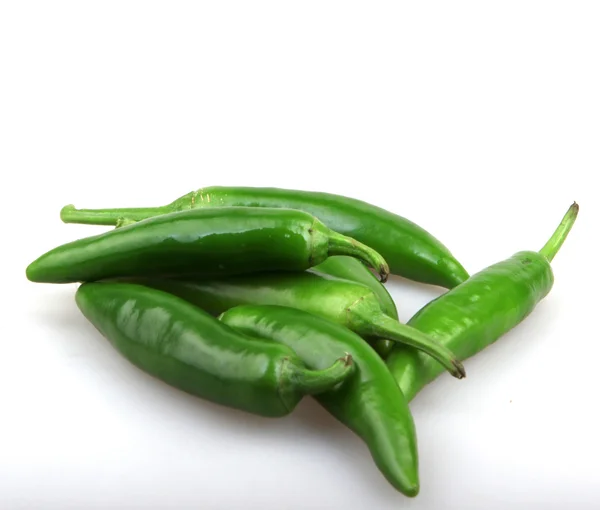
475,314
346,268
409,250
369,402
221,241
350,304
189,349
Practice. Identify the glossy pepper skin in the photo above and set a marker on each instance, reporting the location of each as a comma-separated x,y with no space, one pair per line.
475,314
347,303
369,402
409,250
343,267
189,349
202,242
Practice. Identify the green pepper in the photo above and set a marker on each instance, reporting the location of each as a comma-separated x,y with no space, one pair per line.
221,241
189,349
410,251
475,314
348,303
344,267
369,402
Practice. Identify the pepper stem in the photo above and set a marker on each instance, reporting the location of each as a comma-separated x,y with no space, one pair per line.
69,214
366,318
311,382
340,244
551,248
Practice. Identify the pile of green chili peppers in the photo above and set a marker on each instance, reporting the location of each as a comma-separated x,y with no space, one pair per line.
256,297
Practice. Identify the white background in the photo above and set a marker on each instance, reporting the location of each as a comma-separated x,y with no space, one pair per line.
480,121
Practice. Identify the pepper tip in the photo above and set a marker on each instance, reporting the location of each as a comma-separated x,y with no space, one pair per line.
460,369
384,273
411,491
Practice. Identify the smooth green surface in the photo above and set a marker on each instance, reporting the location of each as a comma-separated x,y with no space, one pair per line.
369,402
321,295
221,241
348,303
189,349
478,312
409,250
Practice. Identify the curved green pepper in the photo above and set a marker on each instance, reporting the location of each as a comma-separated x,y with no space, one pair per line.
410,251
221,241
369,402
475,314
189,349
350,304
344,267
